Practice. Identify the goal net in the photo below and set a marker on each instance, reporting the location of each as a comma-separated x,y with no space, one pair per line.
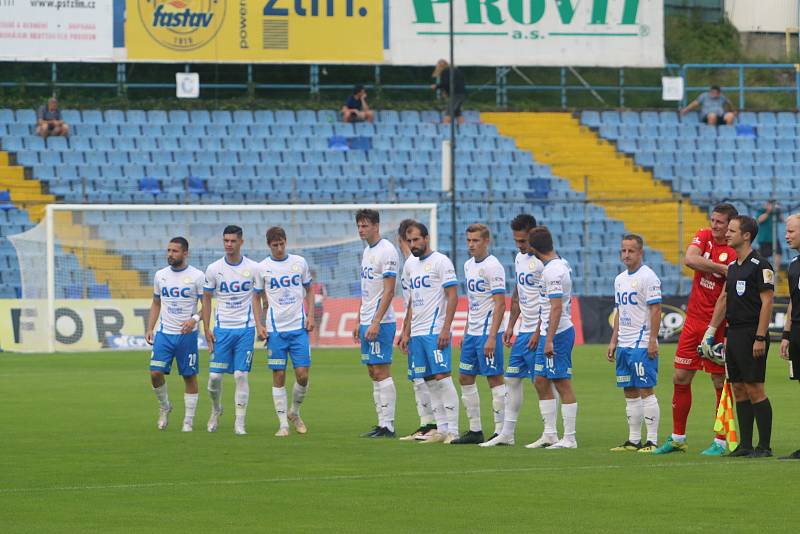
87,270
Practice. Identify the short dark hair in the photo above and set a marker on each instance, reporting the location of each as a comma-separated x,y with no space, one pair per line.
716,88
275,233
747,225
523,222
401,230
481,229
233,229
181,241
423,230
368,215
726,209
634,237
540,239
357,89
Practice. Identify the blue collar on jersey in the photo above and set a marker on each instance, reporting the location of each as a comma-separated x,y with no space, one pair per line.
427,256
636,271
556,258
275,259
483,260
174,270
376,243
233,264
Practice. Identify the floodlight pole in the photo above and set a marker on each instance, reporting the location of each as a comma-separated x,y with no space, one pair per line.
451,106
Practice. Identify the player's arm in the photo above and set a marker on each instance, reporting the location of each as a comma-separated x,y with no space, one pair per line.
716,319
612,345
406,335
787,328
451,293
258,313
497,320
655,324
556,306
512,318
155,311
694,260
206,317
386,301
310,324
764,317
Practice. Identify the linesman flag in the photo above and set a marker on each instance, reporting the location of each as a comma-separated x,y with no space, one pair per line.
726,421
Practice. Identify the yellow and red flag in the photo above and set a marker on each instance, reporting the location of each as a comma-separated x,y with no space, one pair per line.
726,420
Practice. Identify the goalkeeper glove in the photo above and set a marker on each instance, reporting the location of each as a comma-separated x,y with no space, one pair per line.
705,347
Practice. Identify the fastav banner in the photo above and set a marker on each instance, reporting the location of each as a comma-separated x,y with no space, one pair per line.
56,30
253,31
587,33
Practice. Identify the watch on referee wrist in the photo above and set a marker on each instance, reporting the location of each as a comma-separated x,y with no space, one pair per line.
785,335
761,338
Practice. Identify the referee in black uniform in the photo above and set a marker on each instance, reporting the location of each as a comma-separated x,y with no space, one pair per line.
747,305
790,344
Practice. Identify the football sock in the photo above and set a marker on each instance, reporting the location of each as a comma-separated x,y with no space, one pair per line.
634,410
652,416
513,405
190,404
744,412
763,415
388,395
376,397
548,410
215,390
161,395
719,438
681,404
569,413
279,401
423,398
438,406
450,403
499,394
298,395
242,394
472,405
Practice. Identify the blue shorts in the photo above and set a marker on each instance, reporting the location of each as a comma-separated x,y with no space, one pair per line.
233,350
520,361
473,362
294,344
425,358
180,347
560,365
377,352
635,369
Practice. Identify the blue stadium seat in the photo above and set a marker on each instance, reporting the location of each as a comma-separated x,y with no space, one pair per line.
149,185
240,117
264,117
93,116
285,117
200,117
178,117
156,117
136,116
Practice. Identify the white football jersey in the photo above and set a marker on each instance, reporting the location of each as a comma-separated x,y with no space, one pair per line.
378,262
557,282
178,292
285,283
427,278
528,269
232,286
633,294
484,280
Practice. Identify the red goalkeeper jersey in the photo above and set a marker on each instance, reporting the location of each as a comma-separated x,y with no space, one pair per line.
707,287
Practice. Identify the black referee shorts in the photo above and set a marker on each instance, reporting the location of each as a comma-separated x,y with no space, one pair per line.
739,361
794,353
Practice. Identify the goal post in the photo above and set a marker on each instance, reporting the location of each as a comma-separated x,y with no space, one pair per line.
94,287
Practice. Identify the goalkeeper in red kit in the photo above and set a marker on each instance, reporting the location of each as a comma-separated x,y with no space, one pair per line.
709,256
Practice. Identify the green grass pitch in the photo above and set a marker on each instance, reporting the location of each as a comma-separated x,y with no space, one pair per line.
81,453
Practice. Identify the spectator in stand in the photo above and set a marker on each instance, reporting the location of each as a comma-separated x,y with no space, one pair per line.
49,121
769,243
356,109
442,76
715,108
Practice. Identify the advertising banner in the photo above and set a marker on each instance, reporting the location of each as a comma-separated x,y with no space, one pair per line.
588,33
56,30
252,31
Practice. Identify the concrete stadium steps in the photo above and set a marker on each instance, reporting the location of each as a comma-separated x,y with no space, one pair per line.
609,179
93,254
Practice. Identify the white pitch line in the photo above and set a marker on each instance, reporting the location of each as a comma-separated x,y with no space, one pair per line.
334,478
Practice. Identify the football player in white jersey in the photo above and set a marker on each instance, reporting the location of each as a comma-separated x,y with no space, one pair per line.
553,359
176,291
482,348
526,303
283,283
422,395
634,343
427,337
230,280
377,322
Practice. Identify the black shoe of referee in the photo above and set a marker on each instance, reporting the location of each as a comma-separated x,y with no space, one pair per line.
794,456
758,452
741,452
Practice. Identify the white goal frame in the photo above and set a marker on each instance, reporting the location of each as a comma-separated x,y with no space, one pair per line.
51,241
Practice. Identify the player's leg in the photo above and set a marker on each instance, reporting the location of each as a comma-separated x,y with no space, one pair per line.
242,363
560,374
753,374
794,373
422,398
300,352
220,363
380,351
188,367
439,363
160,365
276,362
548,406
736,354
493,369
520,367
469,367
645,379
624,367
376,395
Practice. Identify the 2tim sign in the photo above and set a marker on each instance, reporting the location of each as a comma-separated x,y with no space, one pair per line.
532,32
251,31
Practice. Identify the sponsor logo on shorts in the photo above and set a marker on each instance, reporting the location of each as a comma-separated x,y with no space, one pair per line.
512,370
623,378
466,366
683,361
276,361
